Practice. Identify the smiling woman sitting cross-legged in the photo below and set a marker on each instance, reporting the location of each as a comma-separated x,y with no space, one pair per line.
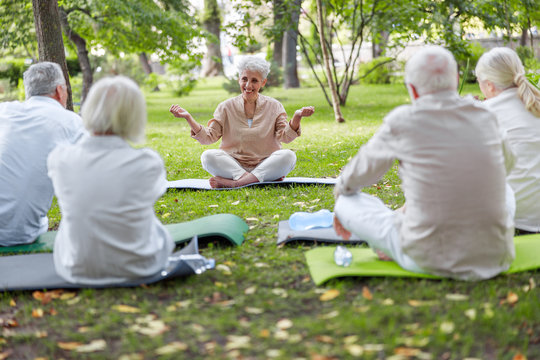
252,127
106,191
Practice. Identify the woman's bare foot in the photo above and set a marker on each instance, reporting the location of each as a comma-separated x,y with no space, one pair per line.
221,182
382,256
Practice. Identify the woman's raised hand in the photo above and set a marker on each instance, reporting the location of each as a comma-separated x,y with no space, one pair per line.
305,111
179,112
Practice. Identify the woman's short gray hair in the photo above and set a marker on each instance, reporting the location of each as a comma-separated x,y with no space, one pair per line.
254,63
117,105
42,79
432,69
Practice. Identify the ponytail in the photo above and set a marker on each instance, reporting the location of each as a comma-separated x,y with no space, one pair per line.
528,93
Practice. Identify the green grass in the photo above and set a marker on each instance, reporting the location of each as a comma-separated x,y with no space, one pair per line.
267,284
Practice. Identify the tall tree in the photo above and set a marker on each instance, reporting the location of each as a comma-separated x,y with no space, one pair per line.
49,37
326,57
290,40
211,19
278,10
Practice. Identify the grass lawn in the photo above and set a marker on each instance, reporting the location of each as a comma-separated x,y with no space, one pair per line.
263,304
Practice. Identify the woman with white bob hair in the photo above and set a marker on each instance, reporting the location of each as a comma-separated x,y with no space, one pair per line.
516,103
106,191
251,127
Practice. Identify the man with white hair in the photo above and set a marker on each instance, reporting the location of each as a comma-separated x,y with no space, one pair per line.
457,219
29,130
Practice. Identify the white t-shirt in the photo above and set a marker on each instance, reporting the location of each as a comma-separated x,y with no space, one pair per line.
523,133
29,130
106,191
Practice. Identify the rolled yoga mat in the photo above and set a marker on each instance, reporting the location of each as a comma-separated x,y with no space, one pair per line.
320,262
203,184
222,227
326,235
36,271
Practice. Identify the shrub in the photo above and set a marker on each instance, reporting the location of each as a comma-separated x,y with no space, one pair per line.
376,71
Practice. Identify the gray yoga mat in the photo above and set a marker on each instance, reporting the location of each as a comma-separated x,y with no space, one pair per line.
203,184
36,271
319,235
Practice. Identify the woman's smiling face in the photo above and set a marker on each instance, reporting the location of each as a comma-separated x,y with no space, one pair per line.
250,83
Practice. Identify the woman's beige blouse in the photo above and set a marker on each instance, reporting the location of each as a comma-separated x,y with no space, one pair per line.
248,145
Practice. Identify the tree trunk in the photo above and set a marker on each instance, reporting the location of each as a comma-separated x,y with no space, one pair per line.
212,62
379,44
145,64
49,38
524,37
278,40
290,37
82,55
335,97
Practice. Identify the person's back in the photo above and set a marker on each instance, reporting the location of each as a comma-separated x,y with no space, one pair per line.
29,130
516,103
106,191
457,217
452,168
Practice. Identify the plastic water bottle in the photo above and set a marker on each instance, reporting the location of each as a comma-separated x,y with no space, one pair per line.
304,220
342,256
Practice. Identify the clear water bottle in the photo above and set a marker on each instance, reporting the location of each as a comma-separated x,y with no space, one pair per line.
304,220
342,256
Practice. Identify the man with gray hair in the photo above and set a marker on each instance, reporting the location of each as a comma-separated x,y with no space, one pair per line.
457,219
29,130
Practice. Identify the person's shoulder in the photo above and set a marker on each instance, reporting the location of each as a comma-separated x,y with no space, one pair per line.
398,114
229,102
150,156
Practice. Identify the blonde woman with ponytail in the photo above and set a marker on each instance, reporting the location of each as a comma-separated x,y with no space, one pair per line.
516,103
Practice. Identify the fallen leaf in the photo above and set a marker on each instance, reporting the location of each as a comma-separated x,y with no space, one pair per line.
408,352
354,349
413,341
254,311
53,312
519,356
264,333
470,313
366,294
324,339
213,206
261,265
284,324
184,304
512,298
447,327
294,338
373,347
126,309
456,297
330,315
70,345
235,202
12,303
5,354
67,296
252,219
149,328
131,357
37,313
171,348
417,303
273,353
351,339
224,269
281,334
93,346
237,342
280,292
329,295
166,215
388,302
40,334
250,290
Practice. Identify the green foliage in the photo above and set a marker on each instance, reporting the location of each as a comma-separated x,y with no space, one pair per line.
467,61
377,71
12,70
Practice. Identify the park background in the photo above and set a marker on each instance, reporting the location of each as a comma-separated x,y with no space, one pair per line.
261,302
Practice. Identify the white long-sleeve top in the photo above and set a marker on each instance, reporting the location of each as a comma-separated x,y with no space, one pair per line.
452,166
523,133
106,191
29,130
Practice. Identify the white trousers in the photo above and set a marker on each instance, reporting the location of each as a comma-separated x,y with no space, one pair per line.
368,218
277,165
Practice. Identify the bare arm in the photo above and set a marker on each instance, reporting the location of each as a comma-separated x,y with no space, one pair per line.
179,112
299,114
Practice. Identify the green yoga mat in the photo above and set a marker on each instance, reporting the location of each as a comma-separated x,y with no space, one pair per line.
365,263
227,227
